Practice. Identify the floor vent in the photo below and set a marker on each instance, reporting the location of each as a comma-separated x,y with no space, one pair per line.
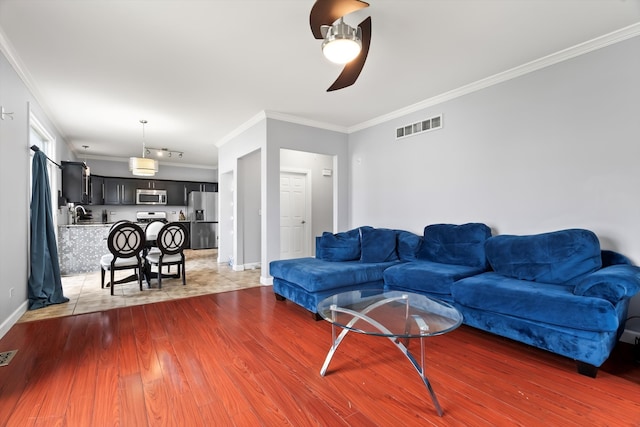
5,357
426,125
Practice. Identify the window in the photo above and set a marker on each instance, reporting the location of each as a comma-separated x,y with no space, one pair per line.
39,136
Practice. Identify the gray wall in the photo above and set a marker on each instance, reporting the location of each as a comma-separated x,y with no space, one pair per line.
553,149
14,190
249,172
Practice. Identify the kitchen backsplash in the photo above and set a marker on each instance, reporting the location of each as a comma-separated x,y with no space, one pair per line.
117,213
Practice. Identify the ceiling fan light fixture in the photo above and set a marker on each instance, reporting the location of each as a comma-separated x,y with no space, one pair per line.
342,43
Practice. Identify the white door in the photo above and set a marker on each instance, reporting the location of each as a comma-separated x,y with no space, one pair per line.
293,216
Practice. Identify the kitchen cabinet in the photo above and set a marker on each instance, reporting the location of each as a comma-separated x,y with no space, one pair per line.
201,186
96,190
120,191
75,182
176,193
107,190
152,184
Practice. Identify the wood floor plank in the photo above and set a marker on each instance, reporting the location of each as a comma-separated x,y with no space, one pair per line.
132,402
243,358
127,356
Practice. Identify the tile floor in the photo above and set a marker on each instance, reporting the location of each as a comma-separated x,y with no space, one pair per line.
204,276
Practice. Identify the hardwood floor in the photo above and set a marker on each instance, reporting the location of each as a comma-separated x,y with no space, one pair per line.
243,359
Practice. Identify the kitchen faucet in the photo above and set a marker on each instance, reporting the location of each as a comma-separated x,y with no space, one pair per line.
74,211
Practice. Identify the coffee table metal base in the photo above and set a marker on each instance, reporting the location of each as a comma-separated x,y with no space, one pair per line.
419,367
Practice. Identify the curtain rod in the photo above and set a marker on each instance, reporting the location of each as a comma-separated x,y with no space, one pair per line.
36,148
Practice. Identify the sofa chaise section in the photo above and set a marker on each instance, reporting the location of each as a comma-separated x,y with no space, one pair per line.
355,259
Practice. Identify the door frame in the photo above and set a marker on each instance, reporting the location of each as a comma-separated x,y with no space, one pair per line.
308,249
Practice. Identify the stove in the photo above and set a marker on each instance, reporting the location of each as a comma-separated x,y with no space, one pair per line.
146,217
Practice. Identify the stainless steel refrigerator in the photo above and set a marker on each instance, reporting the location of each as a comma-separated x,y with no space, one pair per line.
202,212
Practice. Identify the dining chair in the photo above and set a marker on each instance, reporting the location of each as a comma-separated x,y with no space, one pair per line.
125,242
152,229
171,241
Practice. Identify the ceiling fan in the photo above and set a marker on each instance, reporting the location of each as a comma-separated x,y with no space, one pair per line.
326,20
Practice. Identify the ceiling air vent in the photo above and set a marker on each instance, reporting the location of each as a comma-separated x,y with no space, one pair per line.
427,125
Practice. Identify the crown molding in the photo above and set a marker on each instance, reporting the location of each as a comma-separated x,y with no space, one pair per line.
242,128
262,115
305,122
546,61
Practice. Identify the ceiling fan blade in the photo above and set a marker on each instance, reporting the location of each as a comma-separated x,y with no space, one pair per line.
326,12
352,70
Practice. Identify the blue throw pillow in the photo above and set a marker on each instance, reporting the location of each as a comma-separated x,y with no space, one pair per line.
343,246
455,244
378,245
408,245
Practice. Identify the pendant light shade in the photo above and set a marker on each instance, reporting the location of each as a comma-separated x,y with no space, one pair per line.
142,166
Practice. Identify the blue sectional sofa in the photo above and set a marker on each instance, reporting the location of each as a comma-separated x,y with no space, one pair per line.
557,291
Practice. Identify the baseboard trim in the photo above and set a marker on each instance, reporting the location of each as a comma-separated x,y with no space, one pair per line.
13,318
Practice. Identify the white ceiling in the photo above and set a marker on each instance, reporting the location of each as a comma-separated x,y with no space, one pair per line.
199,69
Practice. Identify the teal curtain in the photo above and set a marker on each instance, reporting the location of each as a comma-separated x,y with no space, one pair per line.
45,285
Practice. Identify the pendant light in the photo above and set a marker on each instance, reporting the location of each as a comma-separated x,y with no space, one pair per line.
142,166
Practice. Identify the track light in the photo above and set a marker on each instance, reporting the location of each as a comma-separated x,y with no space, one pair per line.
161,152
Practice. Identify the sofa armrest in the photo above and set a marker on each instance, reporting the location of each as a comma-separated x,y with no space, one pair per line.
612,283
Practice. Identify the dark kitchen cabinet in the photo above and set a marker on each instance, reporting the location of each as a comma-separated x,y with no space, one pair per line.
96,189
152,184
176,193
120,191
201,186
75,182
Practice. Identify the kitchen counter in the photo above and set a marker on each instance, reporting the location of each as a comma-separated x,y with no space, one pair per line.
80,247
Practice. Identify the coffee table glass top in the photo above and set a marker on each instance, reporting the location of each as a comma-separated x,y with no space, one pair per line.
390,313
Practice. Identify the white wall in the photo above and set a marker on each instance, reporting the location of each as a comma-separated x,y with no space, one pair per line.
554,149
14,190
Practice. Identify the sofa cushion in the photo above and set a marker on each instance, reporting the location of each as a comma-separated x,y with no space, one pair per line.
555,257
541,302
407,245
426,276
343,246
377,245
315,275
455,244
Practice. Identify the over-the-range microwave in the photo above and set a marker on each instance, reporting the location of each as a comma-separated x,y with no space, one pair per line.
151,197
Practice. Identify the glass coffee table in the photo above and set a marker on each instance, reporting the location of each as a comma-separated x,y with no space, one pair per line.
397,315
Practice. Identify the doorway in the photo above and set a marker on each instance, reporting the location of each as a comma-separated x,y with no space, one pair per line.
295,218
307,201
